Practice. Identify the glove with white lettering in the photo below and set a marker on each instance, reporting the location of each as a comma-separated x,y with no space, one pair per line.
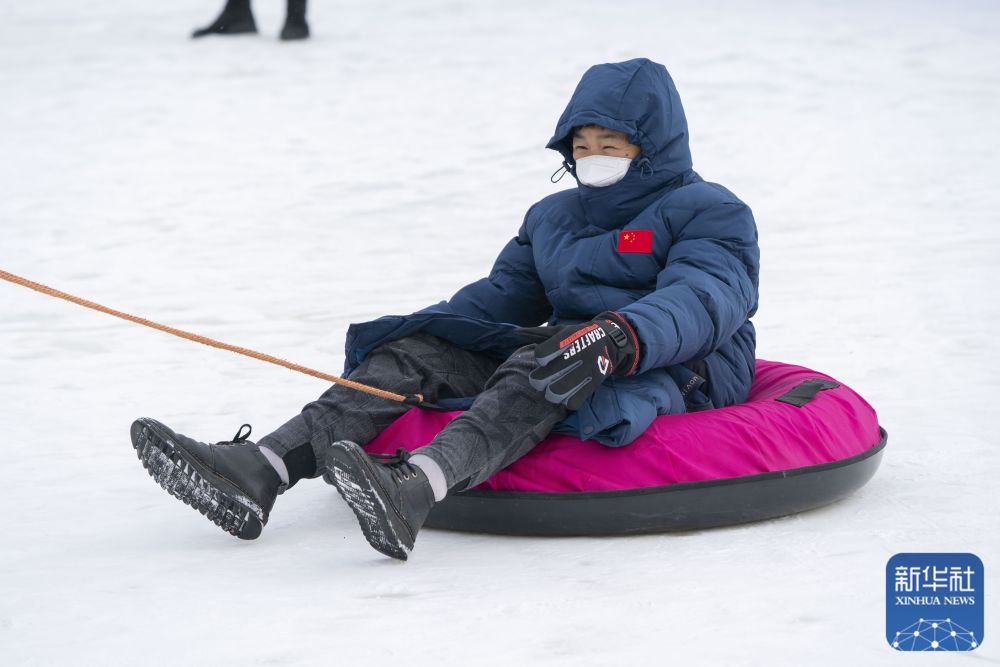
577,359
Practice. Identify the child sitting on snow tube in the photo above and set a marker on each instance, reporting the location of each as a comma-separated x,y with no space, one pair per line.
645,275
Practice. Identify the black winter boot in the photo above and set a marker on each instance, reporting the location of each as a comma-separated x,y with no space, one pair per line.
235,19
230,482
295,21
390,496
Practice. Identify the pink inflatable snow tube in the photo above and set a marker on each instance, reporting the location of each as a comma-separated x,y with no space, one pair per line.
762,435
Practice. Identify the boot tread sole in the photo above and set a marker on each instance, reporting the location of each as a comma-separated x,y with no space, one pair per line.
184,475
368,500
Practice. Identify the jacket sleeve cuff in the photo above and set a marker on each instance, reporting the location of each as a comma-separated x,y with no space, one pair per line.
633,338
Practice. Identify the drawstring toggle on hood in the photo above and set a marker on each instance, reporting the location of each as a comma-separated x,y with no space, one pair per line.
560,172
645,167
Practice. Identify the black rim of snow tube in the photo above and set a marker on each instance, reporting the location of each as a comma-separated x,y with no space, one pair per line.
672,507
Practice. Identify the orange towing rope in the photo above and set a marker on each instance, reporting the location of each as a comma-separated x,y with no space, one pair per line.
411,399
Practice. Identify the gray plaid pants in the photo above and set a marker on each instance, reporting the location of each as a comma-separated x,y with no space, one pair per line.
507,419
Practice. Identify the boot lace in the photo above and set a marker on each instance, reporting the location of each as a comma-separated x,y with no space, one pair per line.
398,464
240,436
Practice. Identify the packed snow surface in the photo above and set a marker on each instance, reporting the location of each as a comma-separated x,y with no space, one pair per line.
268,194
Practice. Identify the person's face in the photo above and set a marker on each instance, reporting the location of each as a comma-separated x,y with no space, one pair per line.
596,140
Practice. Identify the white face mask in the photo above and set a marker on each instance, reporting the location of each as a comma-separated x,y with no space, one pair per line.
599,171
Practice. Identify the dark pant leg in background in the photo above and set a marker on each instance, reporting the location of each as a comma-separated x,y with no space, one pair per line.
420,363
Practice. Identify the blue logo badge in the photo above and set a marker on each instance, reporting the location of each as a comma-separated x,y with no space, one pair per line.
934,602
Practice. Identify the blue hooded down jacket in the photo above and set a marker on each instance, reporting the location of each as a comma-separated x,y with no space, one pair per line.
689,300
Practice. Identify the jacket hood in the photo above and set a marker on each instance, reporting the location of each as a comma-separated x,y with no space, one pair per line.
639,98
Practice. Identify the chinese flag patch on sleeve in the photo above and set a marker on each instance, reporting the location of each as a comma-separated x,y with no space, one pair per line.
635,240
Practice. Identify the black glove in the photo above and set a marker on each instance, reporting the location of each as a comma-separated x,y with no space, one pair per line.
578,358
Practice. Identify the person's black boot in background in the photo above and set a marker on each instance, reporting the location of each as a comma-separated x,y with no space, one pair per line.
295,21
235,19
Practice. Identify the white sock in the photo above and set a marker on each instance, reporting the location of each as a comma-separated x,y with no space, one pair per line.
276,463
434,475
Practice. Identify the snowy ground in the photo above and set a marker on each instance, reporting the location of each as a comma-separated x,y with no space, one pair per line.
269,194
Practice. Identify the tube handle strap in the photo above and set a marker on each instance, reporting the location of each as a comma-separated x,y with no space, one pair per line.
805,391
